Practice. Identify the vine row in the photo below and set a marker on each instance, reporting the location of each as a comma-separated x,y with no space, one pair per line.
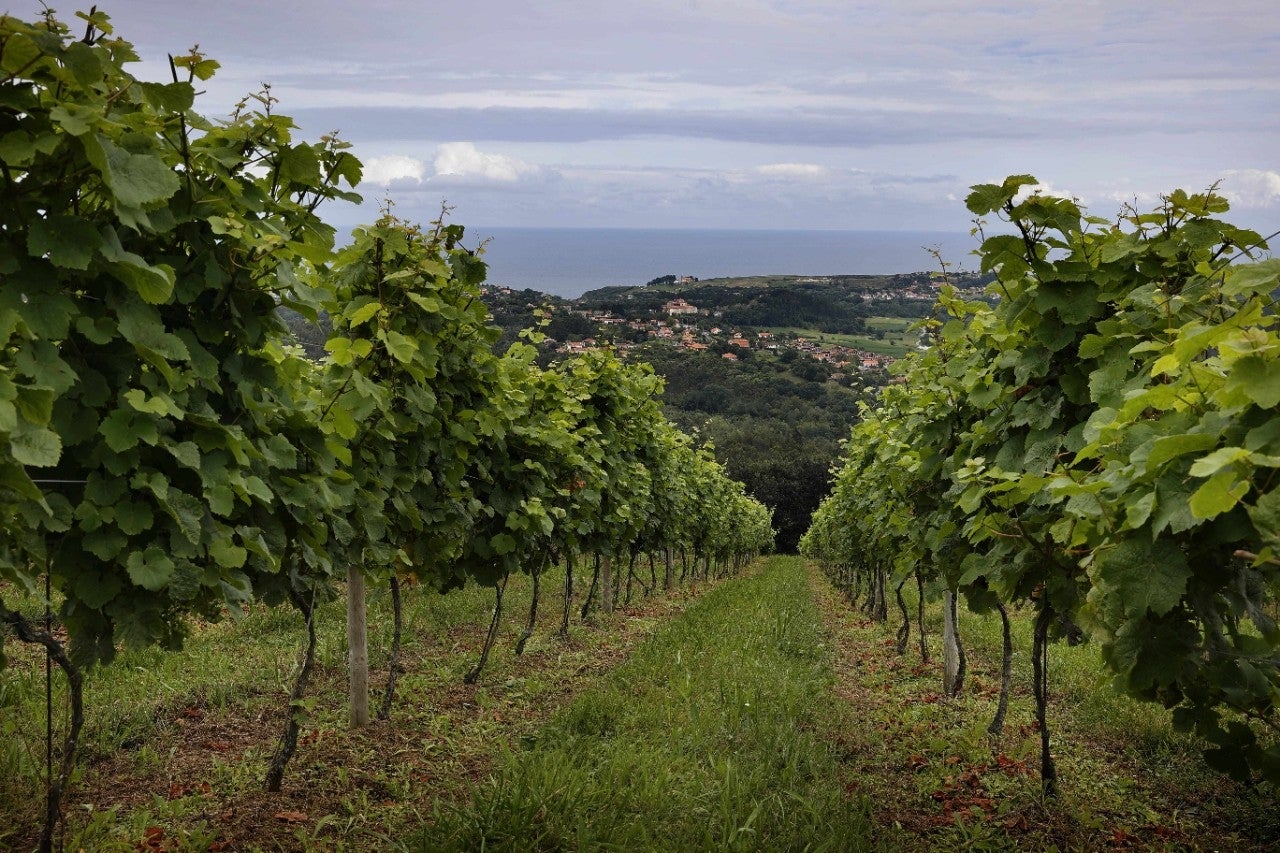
1098,444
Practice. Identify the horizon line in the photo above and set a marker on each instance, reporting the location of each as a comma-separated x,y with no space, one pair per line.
473,227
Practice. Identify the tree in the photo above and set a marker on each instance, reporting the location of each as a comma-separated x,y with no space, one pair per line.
409,370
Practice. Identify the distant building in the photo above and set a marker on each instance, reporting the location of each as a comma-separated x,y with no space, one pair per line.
730,356
679,306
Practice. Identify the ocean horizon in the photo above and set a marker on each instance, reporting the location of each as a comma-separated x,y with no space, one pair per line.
568,262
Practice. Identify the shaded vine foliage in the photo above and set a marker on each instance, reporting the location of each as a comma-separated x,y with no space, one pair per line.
1099,446
147,253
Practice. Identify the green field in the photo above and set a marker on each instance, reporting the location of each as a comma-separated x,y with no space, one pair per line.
895,339
890,324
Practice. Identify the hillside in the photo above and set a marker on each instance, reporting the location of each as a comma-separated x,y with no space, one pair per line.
836,303
776,423
769,369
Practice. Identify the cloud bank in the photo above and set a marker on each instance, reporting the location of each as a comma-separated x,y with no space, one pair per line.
760,113
463,161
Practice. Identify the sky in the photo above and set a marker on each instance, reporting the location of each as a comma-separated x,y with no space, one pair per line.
751,113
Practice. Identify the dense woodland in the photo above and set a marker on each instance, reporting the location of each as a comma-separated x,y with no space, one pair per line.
775,422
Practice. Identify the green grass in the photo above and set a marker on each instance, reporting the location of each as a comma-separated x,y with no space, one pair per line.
706,739
1121,757
890,324
762,713
895,339
180,740
228,665
891,344
824,337
1126,778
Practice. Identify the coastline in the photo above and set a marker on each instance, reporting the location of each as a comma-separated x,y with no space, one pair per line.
567,262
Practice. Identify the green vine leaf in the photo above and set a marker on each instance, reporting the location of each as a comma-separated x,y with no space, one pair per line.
36,446
1144,575
149,569
136,180
1258,378
68,241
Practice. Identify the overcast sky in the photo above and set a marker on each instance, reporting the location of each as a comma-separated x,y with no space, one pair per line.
752,113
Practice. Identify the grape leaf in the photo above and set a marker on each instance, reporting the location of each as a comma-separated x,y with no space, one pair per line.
36,446
1262,277
1144,575
1258,378
149,569
1219,493
1265,515
226,554
133,517
136,180
68,241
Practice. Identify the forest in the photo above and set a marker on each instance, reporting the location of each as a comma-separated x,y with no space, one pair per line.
775,423
834,303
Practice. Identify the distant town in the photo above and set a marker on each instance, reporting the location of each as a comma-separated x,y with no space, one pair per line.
688,325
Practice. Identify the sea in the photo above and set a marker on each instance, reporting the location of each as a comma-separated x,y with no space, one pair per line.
568,262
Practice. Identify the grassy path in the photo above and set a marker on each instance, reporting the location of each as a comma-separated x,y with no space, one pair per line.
712,736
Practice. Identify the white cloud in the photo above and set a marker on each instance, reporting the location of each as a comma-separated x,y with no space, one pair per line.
394,168
792,170
1142,199
1045,189
617,92
464,160
1250,188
